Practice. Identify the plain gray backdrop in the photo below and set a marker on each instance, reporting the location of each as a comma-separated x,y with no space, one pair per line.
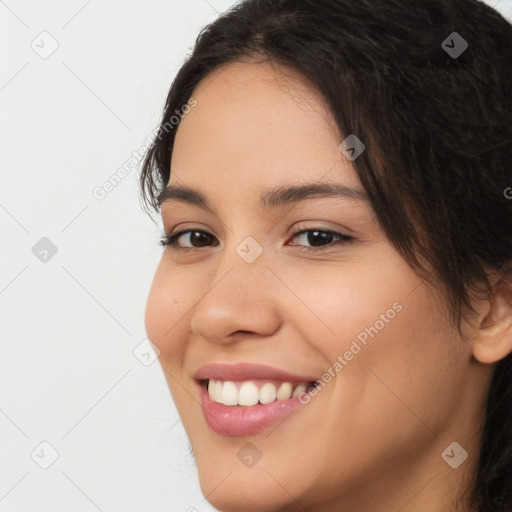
86,419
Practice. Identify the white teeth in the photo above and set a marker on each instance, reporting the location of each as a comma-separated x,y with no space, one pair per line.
299,389
217,388
285,391
247,393
229,395
267,393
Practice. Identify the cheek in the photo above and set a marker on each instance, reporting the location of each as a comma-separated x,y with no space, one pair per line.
167,318
406,376
339,301
387,343
166,307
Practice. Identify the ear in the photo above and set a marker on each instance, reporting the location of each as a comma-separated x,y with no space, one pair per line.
493,334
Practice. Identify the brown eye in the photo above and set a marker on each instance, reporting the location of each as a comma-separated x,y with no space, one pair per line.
194,239
320,237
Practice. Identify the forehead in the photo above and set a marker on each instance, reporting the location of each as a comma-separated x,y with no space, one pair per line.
262,124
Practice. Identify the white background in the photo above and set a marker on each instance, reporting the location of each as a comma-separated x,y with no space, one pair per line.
69,326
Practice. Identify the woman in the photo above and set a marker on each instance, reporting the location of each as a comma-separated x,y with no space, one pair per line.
334,303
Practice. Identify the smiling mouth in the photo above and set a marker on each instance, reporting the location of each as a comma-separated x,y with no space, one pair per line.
254,391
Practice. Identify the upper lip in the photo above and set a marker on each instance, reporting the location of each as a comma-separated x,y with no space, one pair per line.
246,371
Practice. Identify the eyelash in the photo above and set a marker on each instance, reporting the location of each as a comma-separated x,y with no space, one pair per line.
171,240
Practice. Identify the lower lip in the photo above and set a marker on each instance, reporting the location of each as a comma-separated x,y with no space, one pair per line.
242,420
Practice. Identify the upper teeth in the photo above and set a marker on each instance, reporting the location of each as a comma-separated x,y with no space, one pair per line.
247,393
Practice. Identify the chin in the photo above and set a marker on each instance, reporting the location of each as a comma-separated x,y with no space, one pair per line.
252,502
247,490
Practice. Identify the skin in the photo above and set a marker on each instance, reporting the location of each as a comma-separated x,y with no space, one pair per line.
372,438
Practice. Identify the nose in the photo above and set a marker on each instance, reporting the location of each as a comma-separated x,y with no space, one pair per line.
239,298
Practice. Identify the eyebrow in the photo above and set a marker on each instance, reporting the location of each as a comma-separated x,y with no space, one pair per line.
269,198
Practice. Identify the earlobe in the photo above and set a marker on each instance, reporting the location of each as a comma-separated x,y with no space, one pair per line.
493,338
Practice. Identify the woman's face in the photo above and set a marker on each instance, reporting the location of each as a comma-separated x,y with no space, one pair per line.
397,385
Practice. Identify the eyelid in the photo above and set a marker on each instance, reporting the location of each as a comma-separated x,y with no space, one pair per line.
176,234
297,230
301,229
316,226
187,226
